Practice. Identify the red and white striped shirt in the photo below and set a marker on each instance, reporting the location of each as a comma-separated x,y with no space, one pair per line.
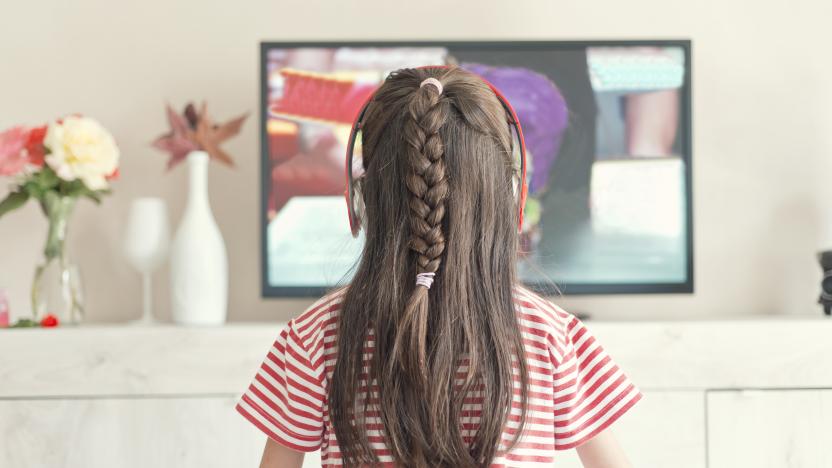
575,389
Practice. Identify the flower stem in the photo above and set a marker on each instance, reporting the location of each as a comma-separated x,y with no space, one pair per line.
57,209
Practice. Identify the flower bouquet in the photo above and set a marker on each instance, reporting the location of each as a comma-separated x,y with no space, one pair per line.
55,165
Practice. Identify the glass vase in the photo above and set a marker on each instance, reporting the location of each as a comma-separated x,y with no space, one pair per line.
56,288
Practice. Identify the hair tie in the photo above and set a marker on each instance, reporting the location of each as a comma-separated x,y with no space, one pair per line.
434,82
424,279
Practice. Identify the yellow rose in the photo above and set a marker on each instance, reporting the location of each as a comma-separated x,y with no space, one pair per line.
80,148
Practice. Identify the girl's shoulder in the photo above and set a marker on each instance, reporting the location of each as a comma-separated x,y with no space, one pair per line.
542,318
532,302
319,319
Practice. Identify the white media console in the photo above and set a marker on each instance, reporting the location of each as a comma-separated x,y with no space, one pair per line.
718,394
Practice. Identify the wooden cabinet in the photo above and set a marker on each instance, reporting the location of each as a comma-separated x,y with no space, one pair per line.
770,428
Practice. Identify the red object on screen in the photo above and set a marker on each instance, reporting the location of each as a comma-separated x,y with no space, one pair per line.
320,97
314,166
283,139
313,172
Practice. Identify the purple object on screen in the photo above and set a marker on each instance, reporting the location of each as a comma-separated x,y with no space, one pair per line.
541,109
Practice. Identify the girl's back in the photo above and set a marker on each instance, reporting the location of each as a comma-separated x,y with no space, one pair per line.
575,390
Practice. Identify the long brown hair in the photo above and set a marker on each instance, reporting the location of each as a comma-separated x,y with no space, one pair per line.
439,197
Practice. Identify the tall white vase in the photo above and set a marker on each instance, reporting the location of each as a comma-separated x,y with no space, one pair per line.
199,265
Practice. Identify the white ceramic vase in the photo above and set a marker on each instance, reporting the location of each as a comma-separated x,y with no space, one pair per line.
198,261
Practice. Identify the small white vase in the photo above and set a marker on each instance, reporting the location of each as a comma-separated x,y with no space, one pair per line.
198,261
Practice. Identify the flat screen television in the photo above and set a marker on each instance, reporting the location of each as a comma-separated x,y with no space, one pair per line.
608,131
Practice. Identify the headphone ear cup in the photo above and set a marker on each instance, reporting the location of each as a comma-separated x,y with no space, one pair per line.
518,190
358,207
350,214
524,191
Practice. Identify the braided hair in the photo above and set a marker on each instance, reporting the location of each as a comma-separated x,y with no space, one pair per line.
427,182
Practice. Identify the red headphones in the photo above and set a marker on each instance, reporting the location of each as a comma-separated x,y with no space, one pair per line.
355,222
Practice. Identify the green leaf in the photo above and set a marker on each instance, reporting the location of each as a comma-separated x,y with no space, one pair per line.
77,188
73,188
32,188
48,178
41,182
13,201
25,323
94,196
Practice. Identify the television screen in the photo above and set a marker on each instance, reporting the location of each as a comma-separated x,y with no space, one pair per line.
607,126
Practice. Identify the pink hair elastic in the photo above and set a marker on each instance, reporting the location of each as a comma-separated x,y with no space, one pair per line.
434,82
425,279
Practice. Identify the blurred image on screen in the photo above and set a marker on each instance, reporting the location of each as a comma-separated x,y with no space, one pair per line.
605,129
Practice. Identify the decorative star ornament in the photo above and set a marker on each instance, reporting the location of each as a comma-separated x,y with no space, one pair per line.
192,130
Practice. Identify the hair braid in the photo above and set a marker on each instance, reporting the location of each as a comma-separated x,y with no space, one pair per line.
428,183
428,186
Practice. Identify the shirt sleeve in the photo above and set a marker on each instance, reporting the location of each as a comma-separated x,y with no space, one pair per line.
285,399
591,391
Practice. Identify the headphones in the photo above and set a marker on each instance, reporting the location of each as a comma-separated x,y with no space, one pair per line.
349,194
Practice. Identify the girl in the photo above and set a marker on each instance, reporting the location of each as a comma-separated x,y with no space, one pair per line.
434,356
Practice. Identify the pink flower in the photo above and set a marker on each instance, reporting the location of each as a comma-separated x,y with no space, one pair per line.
13,157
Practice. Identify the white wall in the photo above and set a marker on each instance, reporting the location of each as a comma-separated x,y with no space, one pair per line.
762,126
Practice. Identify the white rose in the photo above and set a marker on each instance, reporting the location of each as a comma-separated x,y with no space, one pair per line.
80,148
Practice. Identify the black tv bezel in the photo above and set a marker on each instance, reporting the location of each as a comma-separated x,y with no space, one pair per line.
687,286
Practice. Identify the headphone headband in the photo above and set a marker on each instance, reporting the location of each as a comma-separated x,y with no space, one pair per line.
355,224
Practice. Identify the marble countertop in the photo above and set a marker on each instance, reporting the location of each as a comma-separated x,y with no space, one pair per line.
168,360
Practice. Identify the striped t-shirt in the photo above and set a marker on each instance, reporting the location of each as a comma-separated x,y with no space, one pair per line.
575,389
